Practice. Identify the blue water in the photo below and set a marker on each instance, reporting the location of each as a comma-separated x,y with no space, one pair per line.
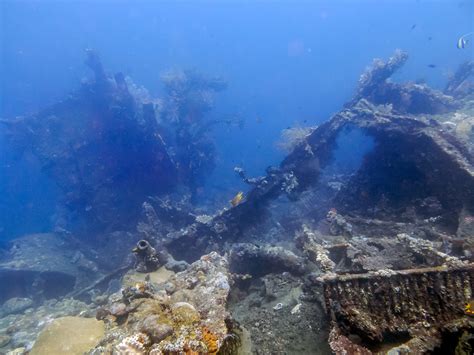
287,63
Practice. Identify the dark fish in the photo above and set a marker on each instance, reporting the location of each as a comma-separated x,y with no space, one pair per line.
413,27
431,66
430,38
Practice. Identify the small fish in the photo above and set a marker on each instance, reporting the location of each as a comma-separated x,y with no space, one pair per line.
237,199
462,41
430,38
469,308
413,27
431,66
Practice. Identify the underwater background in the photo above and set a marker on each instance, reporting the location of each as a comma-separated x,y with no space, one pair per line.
287,64
236,177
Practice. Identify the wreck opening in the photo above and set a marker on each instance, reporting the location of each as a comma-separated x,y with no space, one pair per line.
350,150
456,342
389,341
406,170
319,178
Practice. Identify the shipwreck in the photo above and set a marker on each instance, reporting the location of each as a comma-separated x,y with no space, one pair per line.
373,257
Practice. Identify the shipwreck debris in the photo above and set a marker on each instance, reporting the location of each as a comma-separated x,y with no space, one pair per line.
147,258
421,303
413,159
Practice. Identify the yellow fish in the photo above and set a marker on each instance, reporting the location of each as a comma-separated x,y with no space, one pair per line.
237,199
469,308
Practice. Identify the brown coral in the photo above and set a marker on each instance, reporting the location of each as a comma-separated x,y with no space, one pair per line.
210,339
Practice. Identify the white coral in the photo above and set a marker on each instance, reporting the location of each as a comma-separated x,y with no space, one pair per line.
133,345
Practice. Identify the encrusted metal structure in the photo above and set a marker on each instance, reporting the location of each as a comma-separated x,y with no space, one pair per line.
412,304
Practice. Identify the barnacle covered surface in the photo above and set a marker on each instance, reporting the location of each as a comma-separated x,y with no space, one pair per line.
409,301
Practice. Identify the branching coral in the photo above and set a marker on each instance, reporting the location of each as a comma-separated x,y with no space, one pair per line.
189,96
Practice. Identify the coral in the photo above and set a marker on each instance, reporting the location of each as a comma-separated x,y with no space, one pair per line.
173,322
69,335
341,345
427,250
407,98
338,224
133,345
184,312
189,96
314,251
156,330
141,289
210,339
292,137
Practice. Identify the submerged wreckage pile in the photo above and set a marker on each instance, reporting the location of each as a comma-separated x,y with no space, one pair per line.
394,255
383,254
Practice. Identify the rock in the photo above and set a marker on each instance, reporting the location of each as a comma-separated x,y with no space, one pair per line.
118,309
42,267
4,340
21,338
185,312
176,266
100,299
156,277
170,288
15,305
246,258
17,351
156,331
69,335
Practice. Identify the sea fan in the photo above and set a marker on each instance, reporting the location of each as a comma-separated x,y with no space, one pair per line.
292,137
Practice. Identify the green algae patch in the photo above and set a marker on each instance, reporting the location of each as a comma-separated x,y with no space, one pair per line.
69,335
